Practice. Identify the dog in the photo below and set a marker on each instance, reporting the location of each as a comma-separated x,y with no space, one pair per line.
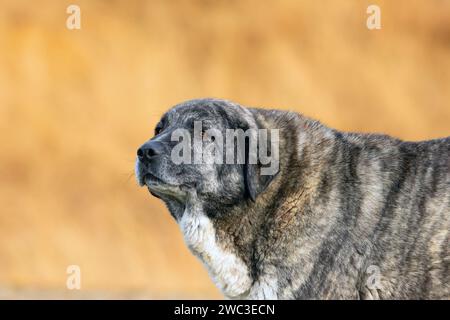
343,216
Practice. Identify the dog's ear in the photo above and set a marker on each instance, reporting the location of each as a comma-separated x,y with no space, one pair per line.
255,183
255,177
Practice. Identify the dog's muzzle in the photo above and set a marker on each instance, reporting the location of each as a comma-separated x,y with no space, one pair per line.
149,151
147,155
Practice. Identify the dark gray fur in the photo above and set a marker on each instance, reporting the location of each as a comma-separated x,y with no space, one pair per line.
340,203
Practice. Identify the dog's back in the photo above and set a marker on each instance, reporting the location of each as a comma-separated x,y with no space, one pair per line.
344,216
382,209
409,239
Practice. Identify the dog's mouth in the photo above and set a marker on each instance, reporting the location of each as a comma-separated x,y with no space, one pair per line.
159,188
152,180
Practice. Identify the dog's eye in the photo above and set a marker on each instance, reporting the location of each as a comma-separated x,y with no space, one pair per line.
158,129
206,136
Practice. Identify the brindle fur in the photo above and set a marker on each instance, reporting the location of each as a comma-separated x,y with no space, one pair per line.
340,203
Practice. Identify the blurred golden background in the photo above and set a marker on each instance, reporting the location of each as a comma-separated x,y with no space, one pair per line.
76,104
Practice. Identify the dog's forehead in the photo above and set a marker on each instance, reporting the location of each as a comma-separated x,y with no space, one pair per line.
197,111
220,111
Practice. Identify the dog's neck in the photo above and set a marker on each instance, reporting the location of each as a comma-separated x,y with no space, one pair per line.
215,249
235,246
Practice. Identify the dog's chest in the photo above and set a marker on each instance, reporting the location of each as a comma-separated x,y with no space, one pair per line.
227,270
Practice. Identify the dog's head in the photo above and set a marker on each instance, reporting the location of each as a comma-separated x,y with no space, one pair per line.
184,156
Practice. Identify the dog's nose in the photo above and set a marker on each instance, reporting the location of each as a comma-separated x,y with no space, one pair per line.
149,150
